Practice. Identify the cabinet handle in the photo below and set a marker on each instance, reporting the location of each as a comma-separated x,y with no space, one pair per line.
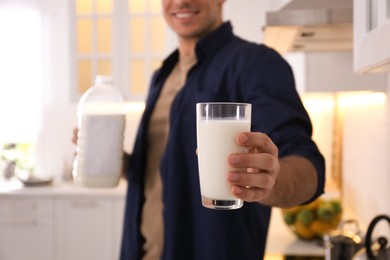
84,204
23,207
22,223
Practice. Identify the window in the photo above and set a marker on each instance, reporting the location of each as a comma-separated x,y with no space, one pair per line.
372,14
21,66
94,33
125,39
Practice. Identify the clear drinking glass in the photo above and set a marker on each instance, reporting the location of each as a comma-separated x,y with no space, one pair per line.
217,126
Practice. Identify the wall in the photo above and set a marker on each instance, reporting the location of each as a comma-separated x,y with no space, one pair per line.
331,71
366,177
54,143
249,28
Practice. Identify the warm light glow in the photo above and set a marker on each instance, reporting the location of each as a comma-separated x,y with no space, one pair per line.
321,109
84,6
137,6
318,103
273,257
84,35
104,6
156,63
361,99
158,34
138,35
104,67
104,31
155,6
135,106
84,68
138,81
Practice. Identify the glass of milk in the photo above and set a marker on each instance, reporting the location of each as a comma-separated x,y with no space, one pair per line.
217,126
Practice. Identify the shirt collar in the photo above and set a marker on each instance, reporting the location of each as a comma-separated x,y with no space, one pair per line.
214,41
206,46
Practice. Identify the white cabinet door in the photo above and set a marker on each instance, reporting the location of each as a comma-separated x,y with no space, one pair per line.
83,229
26,230
118,207
371,35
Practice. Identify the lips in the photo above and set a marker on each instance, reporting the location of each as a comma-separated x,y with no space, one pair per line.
184,15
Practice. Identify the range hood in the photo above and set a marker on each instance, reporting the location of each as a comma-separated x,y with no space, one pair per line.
310,25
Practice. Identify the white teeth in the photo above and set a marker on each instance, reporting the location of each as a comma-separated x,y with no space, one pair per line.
183,15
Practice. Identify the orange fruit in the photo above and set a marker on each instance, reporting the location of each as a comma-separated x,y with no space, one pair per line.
314,204
321,227
303,231
292,210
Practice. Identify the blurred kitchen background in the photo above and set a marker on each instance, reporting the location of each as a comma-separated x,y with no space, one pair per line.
51,51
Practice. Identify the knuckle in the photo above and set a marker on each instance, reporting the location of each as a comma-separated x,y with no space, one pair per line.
268,181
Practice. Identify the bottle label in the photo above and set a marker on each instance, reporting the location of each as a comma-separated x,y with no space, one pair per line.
100,145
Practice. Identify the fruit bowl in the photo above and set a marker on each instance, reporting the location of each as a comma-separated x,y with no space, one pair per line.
313,220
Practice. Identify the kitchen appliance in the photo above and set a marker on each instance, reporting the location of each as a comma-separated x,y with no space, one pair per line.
311,25
378,249
344,242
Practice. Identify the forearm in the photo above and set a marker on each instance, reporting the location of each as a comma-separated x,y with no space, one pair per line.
295,183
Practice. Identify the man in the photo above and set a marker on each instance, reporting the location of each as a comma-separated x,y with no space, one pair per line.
164,216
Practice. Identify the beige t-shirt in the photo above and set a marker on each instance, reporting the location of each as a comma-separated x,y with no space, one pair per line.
152,227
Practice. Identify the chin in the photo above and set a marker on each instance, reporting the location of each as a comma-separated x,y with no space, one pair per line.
188,33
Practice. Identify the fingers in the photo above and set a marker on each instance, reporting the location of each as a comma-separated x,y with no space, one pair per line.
261,164
257,140
260,180
262,161
250,194
251,186
74,136
262,155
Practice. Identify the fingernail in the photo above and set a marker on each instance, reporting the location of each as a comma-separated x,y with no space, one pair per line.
233,176
242,138
236,190
234,159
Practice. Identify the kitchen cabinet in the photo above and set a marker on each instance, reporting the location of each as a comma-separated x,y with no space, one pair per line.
118,210
26,229
83,229
60,222
372,35
331,72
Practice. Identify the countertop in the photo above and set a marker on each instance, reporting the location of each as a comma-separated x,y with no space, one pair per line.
281,239
15,189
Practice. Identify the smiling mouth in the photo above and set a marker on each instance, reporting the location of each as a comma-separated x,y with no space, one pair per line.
185,15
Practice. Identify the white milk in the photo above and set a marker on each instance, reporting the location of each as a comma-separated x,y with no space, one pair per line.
216,140
100,150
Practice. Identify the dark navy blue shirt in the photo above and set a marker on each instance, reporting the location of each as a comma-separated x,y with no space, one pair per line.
228,69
